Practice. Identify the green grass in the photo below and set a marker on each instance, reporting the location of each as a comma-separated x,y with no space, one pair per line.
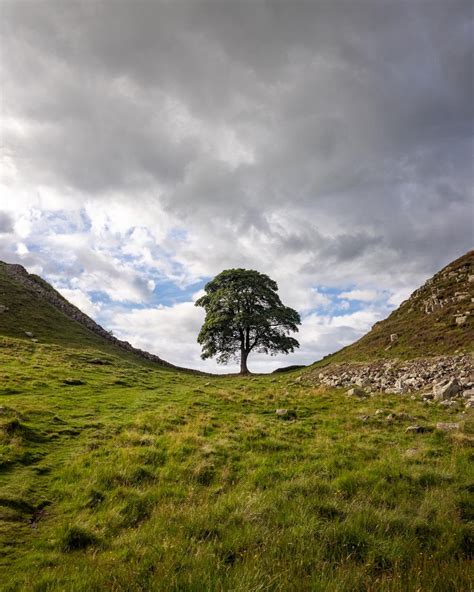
142,478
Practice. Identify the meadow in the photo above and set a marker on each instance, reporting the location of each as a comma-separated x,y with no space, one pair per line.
119,475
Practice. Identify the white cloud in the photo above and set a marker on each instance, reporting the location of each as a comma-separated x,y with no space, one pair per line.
400,295
360,295
82,301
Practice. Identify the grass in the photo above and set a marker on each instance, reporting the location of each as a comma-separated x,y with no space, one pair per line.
131,477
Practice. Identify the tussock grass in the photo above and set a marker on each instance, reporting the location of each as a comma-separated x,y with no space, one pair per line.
176,482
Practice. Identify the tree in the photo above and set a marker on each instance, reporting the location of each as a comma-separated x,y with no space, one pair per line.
243,314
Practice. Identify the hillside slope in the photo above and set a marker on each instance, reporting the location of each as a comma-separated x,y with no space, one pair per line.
437,319
30,308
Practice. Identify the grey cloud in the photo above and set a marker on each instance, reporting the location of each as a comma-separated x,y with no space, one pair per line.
6,223
358,117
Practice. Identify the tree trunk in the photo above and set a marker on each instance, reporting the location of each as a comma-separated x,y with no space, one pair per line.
243,361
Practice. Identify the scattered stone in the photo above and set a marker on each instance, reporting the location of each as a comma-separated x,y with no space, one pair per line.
446,390
461,320
468,394
399,417
447,427
448,403
99,362
397,376
415,429
3,308
393,337
286,413
379,411
34,340
29,334
469,404
356,392
73,381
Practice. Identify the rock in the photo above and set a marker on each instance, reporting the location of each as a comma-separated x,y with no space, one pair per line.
397,377
29,334
448,403
356,392
447,427
415,429
286,413
393,337
99,362
379,411
446,390
468,394
3,308
469,404
393,391
34,340
461,320
73,381
398,416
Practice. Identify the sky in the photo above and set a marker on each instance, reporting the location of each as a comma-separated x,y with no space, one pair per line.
147,146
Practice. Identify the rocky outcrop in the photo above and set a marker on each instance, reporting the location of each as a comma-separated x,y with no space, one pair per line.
41,289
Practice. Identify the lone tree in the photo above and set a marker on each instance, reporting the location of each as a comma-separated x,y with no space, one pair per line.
243,314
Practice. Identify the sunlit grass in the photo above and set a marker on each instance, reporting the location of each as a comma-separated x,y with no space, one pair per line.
145,479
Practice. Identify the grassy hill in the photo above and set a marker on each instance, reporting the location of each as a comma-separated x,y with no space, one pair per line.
29,312
437,319
126,475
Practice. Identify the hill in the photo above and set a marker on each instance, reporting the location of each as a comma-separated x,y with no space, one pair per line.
31,307
437,319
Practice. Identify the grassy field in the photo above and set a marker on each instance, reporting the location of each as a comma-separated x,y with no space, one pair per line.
139,478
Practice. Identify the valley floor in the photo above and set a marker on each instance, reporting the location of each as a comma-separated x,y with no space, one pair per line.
122,476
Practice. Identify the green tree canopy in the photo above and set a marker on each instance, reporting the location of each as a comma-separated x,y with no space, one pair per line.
243,314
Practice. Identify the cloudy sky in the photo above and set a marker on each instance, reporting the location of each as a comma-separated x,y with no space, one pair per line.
147,146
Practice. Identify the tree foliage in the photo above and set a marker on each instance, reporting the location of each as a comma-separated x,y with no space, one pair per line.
243,314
